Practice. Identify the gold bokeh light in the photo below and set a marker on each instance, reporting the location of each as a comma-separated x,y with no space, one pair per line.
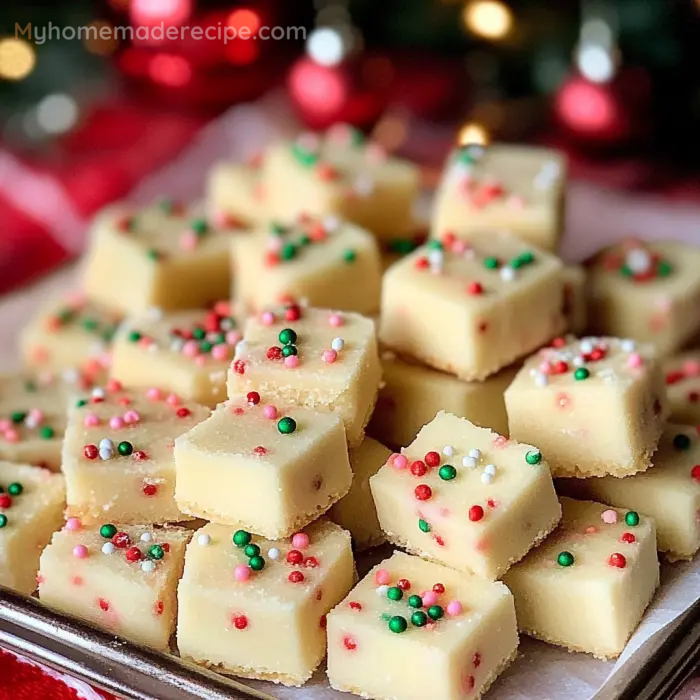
17,58
489,19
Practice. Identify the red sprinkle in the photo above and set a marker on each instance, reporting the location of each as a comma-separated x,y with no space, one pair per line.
240,622
476,659
475,288
432,459
259,450
133,554
422,263
296,577
628,537
617,560
149,489
323,622
349,643
121,540
104,605
158,608
354,605
90,451
184,412
140,456
294,556
695,472
274,353
559,342
114,385
239,367
253,398
5,501
438,588
404,584
418,468
423,492
311,563
476,513
675,377
560,367
292,312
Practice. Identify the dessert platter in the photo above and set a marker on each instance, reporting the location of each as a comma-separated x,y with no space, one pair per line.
275,444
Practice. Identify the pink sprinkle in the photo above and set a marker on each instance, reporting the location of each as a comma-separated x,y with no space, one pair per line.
429,598
291,362
336,320
154,394
173,400
516,202
691,368
116,422
545,367
376,153
233,337
454,607
241,572
36,414
132,417
11,435
267,318
635,360
300,540
5,424
220,352
91,420
399,461
459,246
190,348
591,530
609,516
270,412
329,356
80,551
188,240
382,577
73,524
200,360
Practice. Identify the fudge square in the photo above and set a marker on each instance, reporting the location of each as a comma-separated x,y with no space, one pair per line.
235,194
70,336
32,419
649,291
323,360
408,615
411,394
517,188
669,492
683,387
594,406
265,467
118,454
257,608
186,352
326,262
160,256
466,497
472,308
356,512
31,510
341,173
600,563
122,578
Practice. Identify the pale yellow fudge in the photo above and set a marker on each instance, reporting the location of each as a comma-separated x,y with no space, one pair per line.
341,173
414,630
187,352
575,301
472,308
649,291
356,512
257,608
324,262
262,466
31,510
586,587
411,394
122,578
594,406
118,454
466,497
517,188
162,256
70,336
32,418
683,387
669,492
323,360
235,194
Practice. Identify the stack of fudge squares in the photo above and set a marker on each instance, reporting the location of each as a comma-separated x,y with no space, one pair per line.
247,394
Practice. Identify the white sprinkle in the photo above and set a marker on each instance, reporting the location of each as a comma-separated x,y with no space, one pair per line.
331,223
474,453
146,537
578,361
108,548
105,454
148,566
155,313
98,393
541,379
273,553
468,462
31,422
204,539
638,261
70,376
448,450
241,350
586,346
226,324
337,344
486,478
106,444
381,590
628,345
507,273
490,469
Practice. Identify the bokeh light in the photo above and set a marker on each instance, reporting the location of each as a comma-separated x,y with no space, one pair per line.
17,58
170,70
473,133
57,113
94,43
489,19
325,46
246,19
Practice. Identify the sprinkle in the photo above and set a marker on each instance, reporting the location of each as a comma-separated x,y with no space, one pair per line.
108,548
295,577
336,320
474,453
300,540
609,516
131,417
105,453
286,425
106,444
146,537
241,573
507,273
490,469
253,398
382,577
448,450
423,525
454,607
133,554
398,624
329,356
432,459
418,468
204,539
292,361
90,452
617,560
429,598
267,318
241,538
476,513
681,442
486,478
148,566
533,457
540,378
632,518
337,344
419,618
394,593
273,553
447,472
80,551
423,492
116,422
468,462
398,461
635,360
154,394
627,538
125,448
565,559
581,373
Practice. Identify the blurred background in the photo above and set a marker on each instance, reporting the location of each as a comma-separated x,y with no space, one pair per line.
89,109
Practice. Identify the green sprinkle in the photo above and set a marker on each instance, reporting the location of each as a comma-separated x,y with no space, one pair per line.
199,226
108,531
47,432
681,442
66,316
18,416
465,157
626,271
276,228
349,256
108,333
199,333
398,624
435,245
288,251
153,254
257,563
357,138
664,268
402,246
205,346
581,373
287,336
447,472
30,386
306,158
491,263
415,601
125,448
251,550
155,551
286,425
632,518
305,240
15,488
241,538
419,618
423,525
89,324
288,350
435,612
533,457
134,336
394,593
565,559
3,520
385,617
80,403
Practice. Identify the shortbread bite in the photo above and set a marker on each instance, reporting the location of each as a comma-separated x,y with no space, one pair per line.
186,352
122,578
649,291
594,406
323,360
325,263
669,492
586,587
575,301
70,336
411,394
162,256
235,193
118,454
466,497
32,419
517,188
472,308
413,630
683,387
356,512
341,173
257,608
31,510
265,467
